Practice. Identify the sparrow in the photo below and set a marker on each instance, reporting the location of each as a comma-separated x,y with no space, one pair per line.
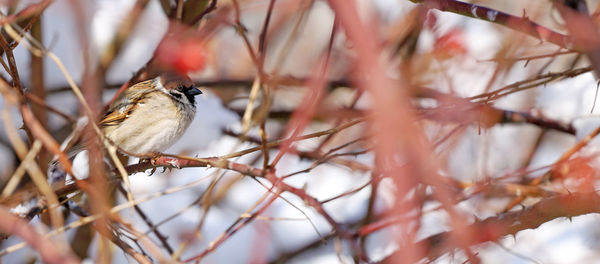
144,119
150,116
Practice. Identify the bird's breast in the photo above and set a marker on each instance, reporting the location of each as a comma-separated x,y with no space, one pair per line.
152,127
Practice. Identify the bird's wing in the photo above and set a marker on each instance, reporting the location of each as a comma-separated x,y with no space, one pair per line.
126,103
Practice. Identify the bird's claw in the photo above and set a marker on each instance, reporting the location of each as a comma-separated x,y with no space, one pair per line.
165,168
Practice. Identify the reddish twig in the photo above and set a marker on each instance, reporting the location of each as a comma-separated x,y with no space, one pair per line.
583,31
37,130
123,33
49,251
465,112
494,228
162,238
521,24
30,11
234,228
528,84
38,101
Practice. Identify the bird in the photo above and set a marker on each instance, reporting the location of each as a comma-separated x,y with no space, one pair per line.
145,119
150,116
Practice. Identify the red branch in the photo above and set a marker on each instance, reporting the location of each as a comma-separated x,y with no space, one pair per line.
521,24
494,228
245,170
27,12
48,250
584,32
183,162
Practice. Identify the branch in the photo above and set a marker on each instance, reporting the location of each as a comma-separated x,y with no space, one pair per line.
49,251
181,162
494,228
212,6
521,24
124,32
582,29
541,122
172,161
30,11
468,113
233,83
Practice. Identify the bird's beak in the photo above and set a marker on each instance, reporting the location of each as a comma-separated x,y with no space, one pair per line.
192,91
